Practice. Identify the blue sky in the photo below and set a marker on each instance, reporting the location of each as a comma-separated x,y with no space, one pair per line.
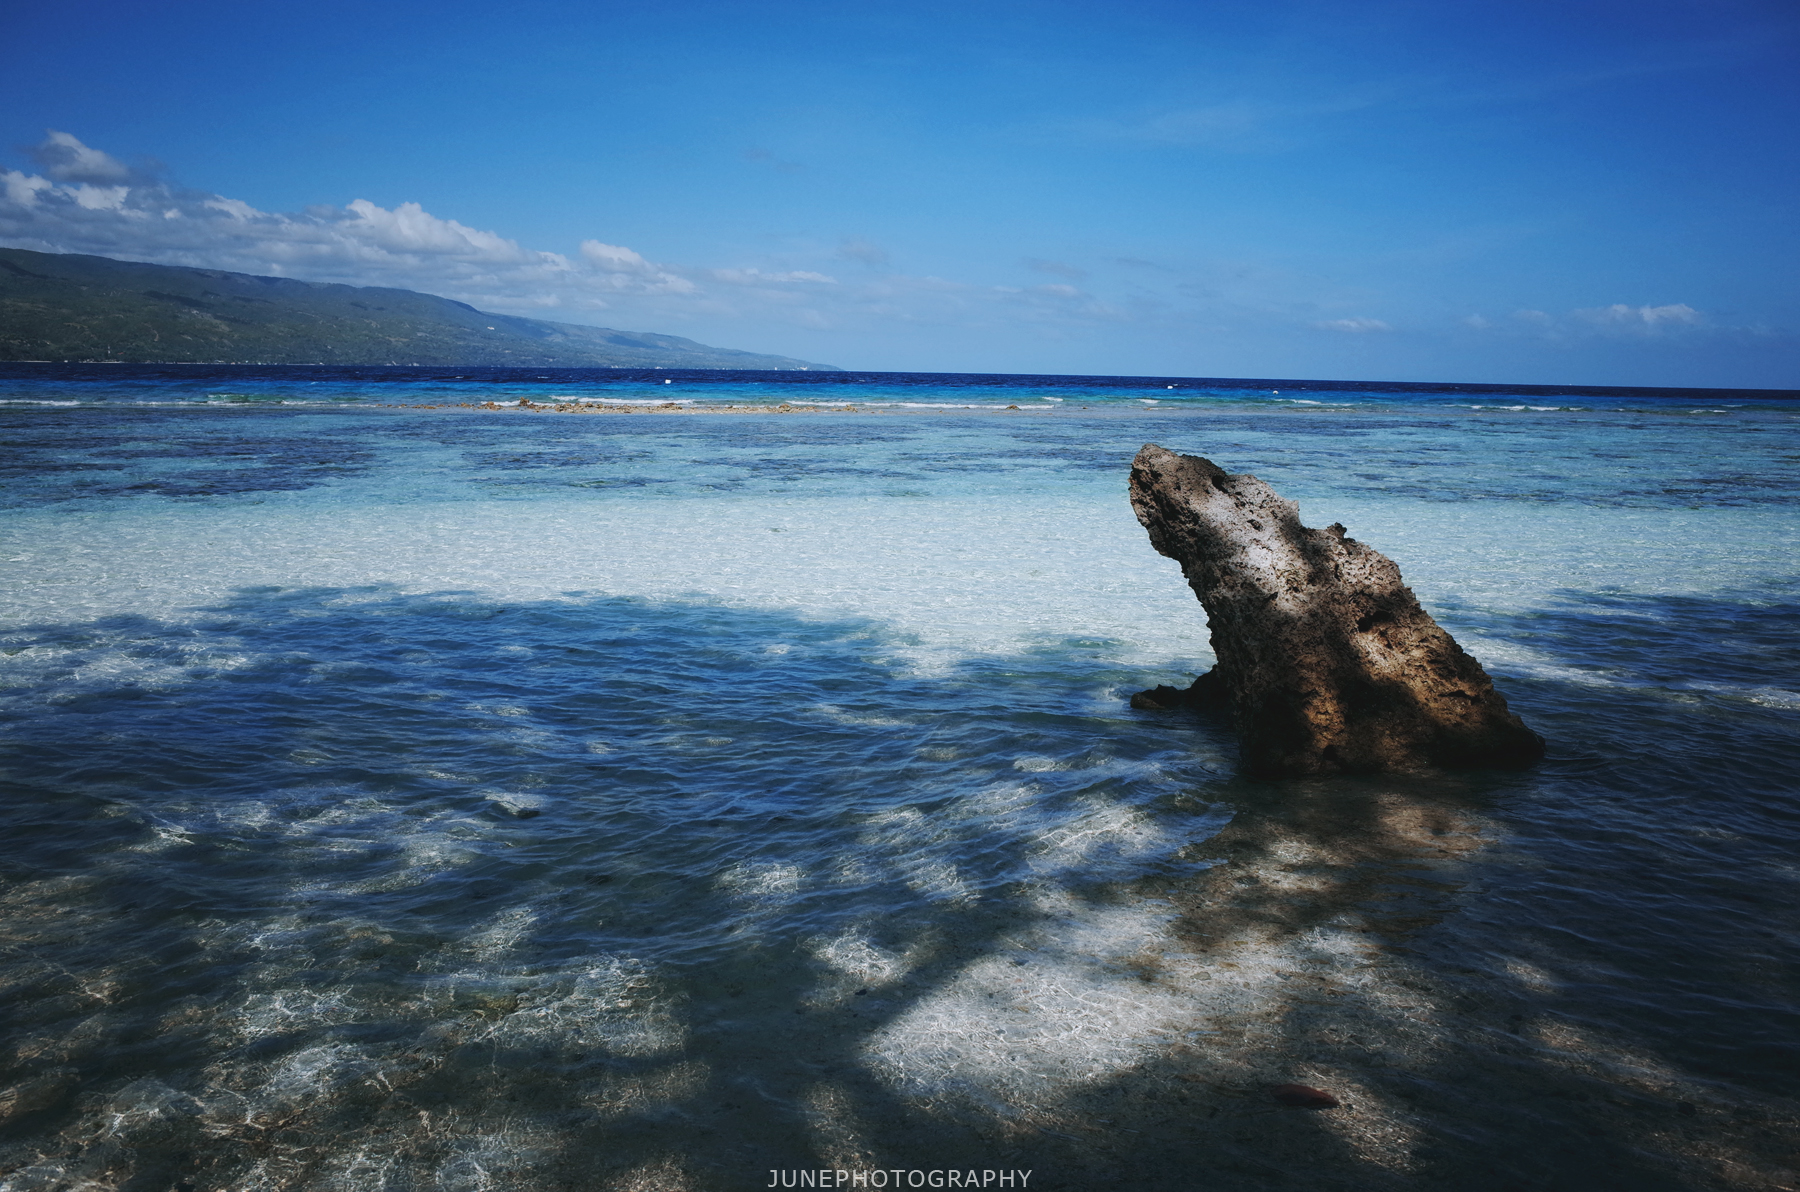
1582,192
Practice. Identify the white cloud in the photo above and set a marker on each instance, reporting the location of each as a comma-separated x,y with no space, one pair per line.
1642,318
409,228
613,258
22,189
1353,325
1619,319
754,277
624,271
99,198
236,208
65,159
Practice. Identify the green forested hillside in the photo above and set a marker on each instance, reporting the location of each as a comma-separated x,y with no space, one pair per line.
61,306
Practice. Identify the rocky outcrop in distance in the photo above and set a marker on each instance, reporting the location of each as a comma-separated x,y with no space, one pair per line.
1326,662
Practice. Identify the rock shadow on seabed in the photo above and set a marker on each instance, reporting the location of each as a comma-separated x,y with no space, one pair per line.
452,1029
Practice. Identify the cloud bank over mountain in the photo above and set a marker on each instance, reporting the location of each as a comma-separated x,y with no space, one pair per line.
87,201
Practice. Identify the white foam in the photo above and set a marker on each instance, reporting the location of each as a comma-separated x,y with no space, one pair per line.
1768,697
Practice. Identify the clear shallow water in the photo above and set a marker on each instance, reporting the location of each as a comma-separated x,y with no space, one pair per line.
468,799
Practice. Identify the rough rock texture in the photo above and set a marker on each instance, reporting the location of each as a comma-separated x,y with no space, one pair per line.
1326,662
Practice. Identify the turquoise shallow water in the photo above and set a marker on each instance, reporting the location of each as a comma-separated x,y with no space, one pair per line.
453,798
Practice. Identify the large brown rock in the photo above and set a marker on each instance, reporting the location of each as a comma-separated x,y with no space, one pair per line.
1326,662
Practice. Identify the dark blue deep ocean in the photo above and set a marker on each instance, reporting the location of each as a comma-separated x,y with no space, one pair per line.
583,779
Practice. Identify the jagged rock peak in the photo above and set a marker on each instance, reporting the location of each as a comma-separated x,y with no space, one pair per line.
1326,662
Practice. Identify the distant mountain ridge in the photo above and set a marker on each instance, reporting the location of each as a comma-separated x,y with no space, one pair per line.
65,306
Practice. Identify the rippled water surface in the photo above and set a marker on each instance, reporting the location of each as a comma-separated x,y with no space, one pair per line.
466,798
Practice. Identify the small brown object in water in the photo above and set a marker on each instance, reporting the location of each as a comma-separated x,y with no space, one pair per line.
1303,1096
